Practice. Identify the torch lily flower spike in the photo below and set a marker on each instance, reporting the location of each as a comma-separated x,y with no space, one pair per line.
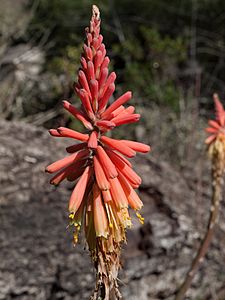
216,127
105,180
216,150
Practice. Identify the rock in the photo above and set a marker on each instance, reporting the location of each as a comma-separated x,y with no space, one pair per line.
37,258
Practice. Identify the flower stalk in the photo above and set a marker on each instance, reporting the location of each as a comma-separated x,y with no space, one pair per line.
216,151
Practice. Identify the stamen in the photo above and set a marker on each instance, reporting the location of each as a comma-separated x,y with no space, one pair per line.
141,219
113,217
108,214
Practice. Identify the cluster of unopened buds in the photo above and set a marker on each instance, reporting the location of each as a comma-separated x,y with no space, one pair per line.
216,127
106,181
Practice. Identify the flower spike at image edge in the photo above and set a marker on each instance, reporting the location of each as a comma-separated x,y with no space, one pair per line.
216,151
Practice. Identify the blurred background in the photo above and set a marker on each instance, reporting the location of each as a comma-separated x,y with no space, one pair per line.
171,54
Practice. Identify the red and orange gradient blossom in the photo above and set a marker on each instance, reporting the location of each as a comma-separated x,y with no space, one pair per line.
105,181
217,126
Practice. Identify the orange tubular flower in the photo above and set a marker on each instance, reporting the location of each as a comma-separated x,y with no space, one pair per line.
217,127
105,178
